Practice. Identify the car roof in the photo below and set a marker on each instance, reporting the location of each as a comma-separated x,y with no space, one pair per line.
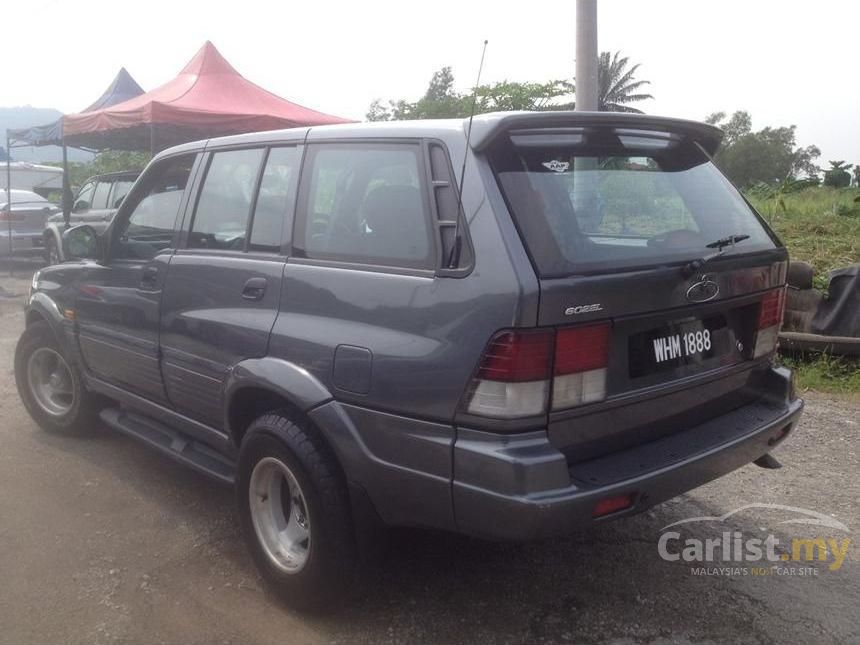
20,196
119,174
485,129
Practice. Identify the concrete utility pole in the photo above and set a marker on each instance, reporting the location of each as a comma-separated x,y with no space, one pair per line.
586,55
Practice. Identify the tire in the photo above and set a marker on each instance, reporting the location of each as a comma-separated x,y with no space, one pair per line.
314,568
800,275
52,251
72,410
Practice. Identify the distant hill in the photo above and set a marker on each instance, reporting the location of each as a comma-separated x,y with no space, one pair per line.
27,116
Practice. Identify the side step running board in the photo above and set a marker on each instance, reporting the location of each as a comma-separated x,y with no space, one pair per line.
172,443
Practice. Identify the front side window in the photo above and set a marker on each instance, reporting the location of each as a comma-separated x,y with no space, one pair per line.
601,199
100,195
224,205
364,203
149,227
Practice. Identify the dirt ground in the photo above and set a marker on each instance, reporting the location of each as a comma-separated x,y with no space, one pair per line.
104,541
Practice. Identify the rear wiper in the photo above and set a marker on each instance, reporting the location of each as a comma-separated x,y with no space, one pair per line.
694,265
723,242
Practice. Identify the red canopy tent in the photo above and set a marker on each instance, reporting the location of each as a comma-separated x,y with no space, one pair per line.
208,98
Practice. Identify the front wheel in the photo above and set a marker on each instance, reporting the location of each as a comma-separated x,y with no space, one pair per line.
51,386
295,512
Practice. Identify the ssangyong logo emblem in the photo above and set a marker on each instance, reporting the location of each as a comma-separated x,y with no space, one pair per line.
703,290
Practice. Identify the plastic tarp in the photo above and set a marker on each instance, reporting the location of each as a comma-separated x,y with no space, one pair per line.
839,314
208,98
122,88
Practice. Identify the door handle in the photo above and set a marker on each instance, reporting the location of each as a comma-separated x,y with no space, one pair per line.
254,289
149,278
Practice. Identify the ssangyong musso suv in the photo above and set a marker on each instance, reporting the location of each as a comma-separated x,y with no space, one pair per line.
315,317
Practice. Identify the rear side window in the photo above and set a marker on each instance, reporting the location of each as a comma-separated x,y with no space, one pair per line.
84,199
603,199
100,196
224,205
365,203
275,199
120,190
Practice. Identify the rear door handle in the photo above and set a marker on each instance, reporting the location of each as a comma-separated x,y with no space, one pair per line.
254,289
149,278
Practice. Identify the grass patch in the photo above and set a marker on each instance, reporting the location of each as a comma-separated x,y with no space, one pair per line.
820,226
824,373
814,227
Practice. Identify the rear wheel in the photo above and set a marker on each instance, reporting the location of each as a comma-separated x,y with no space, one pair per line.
51,386
295,512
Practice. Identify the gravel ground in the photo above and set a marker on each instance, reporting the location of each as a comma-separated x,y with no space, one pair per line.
104,541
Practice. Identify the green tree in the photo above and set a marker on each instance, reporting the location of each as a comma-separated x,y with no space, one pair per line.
441,100
104,162
509,96
766,156
616,84
838,175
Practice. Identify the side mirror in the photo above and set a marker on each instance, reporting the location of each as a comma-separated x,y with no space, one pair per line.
80,205
82,243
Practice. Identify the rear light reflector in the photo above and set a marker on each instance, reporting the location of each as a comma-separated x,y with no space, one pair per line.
513,376
581,358
770,313
612,505
769,322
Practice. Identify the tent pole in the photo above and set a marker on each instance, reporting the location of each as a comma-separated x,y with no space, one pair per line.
67,189
9,200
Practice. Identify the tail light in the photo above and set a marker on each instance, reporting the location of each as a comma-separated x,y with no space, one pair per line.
5,216
519,369
581,357
769,322
513,376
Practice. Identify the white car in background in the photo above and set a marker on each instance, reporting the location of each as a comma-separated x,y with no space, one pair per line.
25,220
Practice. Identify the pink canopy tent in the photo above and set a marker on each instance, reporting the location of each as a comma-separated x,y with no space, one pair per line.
208,98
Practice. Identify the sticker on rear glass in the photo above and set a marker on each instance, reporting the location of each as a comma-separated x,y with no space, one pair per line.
556,166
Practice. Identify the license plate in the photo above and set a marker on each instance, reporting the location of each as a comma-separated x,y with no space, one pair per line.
688,343
692,343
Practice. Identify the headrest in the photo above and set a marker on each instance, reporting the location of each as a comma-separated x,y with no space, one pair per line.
393,208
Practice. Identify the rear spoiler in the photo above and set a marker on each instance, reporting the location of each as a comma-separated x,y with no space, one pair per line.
486,128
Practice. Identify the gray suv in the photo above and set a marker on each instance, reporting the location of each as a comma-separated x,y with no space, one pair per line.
95,204
319,318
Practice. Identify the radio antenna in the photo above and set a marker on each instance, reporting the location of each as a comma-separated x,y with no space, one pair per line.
454,257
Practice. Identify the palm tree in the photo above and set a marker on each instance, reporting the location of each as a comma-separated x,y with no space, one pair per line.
616,85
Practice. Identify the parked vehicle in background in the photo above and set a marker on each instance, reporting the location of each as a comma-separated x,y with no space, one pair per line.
95,204
309,316
28,215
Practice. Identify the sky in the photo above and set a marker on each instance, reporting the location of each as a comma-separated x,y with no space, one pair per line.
785,62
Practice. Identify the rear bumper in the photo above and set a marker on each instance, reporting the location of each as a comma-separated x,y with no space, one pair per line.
522,488
22,243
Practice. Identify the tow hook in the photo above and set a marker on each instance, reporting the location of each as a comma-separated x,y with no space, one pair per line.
767,460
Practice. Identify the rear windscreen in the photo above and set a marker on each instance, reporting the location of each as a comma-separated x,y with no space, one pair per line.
603,199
